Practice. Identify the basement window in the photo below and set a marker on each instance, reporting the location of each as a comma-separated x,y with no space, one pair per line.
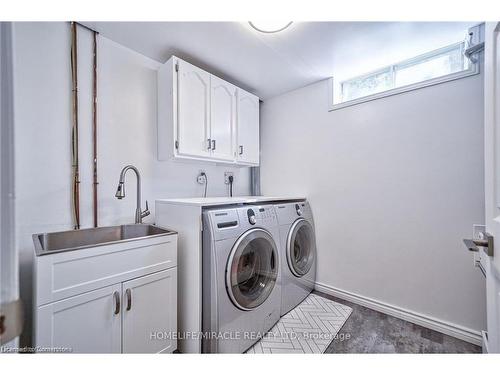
442,65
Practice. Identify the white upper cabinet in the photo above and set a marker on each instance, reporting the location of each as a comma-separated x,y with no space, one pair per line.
222,118
248,128
193,110
202,117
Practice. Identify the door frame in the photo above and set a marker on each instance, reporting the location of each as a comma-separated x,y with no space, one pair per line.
11,308
492,182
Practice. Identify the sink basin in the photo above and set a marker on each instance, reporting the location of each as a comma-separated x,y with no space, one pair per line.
49,243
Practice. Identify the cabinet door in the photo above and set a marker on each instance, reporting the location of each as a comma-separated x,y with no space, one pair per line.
87,323
193,106
150,313
248,128
222,118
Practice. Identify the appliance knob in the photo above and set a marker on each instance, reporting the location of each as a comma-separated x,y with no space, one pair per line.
251,216
298,209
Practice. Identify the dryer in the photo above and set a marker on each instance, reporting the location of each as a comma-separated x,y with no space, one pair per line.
241,271
297,253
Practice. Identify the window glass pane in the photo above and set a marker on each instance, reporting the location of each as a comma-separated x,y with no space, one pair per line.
368,85
413,71
449,62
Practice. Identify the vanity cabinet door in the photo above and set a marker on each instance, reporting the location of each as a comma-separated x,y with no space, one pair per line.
87,323
222,118
193,110
149,313
247,146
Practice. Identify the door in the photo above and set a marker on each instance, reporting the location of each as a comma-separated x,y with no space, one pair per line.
222,118
248,128
87,323
252,269
301,247
150,313
193,106
492,180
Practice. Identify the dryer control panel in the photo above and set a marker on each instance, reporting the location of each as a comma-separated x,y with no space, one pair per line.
289,212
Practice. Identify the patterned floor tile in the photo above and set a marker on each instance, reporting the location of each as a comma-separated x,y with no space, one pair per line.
309,328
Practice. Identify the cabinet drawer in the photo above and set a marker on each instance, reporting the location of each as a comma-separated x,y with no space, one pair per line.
63,275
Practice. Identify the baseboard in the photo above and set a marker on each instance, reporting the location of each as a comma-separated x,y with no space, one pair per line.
447,328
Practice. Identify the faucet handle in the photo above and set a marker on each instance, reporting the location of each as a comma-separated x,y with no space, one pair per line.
146,212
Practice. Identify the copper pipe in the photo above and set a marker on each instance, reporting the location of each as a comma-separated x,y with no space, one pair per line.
94,129
74,130
86,27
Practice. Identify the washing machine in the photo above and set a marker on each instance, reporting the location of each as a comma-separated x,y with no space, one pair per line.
297,253
241,271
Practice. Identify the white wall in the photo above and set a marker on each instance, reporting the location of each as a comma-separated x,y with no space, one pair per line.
127,135
394,184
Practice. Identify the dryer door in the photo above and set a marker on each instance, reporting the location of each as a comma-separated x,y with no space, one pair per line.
252,269
301,247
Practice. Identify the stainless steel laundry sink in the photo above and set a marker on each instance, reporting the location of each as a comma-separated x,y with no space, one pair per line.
49,243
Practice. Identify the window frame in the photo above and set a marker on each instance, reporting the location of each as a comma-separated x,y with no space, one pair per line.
472,69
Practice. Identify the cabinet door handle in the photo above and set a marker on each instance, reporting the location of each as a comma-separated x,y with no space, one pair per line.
116,297
128,292
213,144
209,147
241,150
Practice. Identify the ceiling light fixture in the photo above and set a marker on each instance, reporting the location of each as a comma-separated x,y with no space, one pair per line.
270,27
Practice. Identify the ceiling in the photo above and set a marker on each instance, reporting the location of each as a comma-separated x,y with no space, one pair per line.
271,64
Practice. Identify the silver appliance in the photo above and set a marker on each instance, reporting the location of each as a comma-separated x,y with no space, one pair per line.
241,271
297,253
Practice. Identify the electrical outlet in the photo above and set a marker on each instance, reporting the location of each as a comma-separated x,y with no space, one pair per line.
226,177
201,178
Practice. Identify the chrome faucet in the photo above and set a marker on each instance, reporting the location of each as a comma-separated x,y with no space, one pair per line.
120,193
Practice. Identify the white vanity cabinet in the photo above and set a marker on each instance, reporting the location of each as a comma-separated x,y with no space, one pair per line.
202,117
116,298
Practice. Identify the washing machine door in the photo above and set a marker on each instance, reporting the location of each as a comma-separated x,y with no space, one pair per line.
301,247
252,269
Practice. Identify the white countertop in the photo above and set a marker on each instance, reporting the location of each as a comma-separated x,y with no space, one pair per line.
220,201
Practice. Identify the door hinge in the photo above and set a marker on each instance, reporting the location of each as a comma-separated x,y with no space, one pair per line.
177,145
176,66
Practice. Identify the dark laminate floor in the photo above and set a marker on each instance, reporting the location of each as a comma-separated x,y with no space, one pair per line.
369,331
